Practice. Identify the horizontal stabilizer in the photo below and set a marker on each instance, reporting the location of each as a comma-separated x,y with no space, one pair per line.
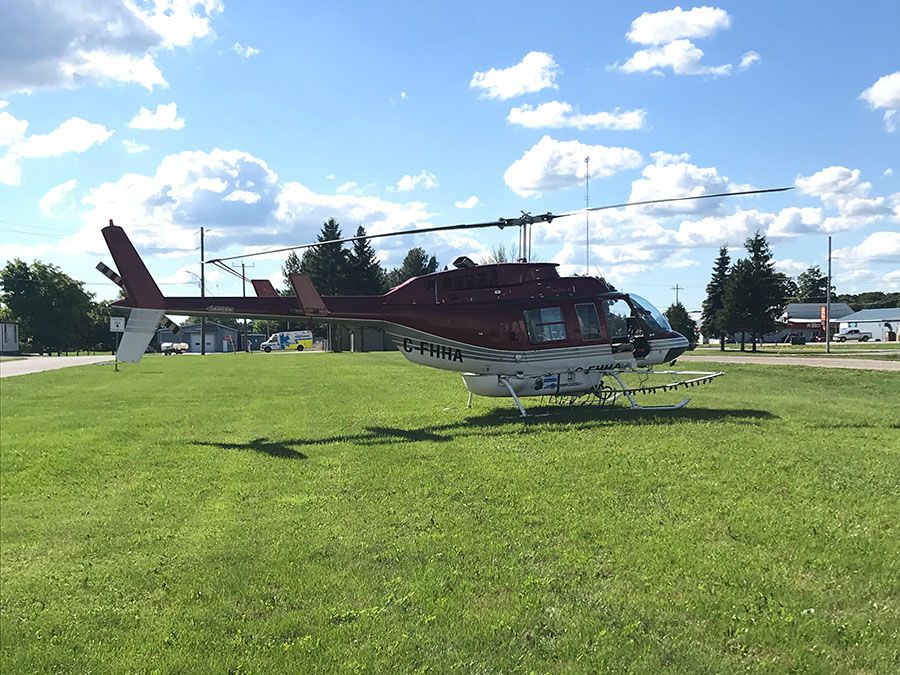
139,330
171,325
110,274
264,288
311,303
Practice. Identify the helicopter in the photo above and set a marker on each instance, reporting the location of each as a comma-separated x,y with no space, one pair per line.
511,330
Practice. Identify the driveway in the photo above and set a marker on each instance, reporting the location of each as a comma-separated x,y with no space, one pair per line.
814,362
37,364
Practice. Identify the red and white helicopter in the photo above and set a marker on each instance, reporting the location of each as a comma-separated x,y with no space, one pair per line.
512,329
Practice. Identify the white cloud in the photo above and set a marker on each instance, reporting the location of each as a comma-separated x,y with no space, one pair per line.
682,56
833,184
243,196
675,176
667,37
793,221
791,267
555,165
877,247
657,28
888,172
469,203
558,114
749,59
164,117
75,135
425,179
248,209
12,128
349,186
537,71
885,93
55,196
245,51
133,147
67,44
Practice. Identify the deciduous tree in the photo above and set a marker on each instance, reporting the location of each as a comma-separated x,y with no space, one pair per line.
681,322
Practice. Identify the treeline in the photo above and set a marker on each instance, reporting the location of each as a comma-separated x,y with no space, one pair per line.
336,270
54,312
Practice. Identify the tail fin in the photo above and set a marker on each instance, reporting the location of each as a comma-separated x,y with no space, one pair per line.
310,301
141,288
264,288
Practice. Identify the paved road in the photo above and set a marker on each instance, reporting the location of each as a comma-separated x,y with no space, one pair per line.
37,364
812,361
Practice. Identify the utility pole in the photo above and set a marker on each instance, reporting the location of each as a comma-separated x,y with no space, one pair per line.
244,267
587,216
202,295
677,288
828,303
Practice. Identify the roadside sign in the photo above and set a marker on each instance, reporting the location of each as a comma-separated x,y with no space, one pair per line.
117,324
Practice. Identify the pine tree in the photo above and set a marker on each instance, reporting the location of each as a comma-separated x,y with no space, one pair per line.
769,289
711,321
736,314
366,274
328,266
681,322
291,266
415,264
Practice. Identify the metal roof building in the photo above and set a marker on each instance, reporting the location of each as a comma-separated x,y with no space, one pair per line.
884,324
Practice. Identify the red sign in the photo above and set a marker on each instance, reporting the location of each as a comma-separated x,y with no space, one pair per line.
822,313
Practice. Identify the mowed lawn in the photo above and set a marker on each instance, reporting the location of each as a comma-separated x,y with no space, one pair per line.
345,512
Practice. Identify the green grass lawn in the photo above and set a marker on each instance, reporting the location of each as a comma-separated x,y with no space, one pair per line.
309,512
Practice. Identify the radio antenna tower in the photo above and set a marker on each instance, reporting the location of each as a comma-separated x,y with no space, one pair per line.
587,216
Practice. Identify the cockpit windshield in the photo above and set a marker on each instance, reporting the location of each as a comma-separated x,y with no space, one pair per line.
650,314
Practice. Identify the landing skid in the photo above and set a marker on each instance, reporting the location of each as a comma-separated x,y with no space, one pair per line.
607,395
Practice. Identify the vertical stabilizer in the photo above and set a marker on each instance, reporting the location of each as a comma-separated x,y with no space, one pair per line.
141,288
139,330
311,303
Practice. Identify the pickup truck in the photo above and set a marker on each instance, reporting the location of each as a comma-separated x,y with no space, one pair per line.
174,347
853,334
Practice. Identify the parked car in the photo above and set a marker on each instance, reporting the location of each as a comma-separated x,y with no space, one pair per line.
853,334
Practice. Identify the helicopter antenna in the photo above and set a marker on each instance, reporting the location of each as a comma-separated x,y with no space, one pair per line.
587,217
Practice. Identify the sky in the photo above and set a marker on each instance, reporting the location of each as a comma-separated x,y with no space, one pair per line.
259,121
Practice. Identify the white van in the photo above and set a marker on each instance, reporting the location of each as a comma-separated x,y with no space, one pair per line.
292,339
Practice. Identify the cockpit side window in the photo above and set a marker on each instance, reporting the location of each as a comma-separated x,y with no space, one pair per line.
589,322
545,325
618,313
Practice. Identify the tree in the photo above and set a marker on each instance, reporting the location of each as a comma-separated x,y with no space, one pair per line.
770,289
869,300
328,266
682,323
52,308
498,255
711,320
736,314
367,277
291,266
415,264
812,286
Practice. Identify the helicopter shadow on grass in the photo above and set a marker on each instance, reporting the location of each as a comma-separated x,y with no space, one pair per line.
502,422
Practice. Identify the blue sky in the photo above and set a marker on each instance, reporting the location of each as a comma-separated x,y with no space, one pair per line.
261,120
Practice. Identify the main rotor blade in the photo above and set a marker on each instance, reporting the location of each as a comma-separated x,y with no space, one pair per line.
525,218
670,199
464,226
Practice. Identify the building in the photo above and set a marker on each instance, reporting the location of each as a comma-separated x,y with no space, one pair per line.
883,324
345,338
806,319
9,337
219,338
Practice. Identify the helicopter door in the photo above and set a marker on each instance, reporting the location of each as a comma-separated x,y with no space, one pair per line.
619,323
589,322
